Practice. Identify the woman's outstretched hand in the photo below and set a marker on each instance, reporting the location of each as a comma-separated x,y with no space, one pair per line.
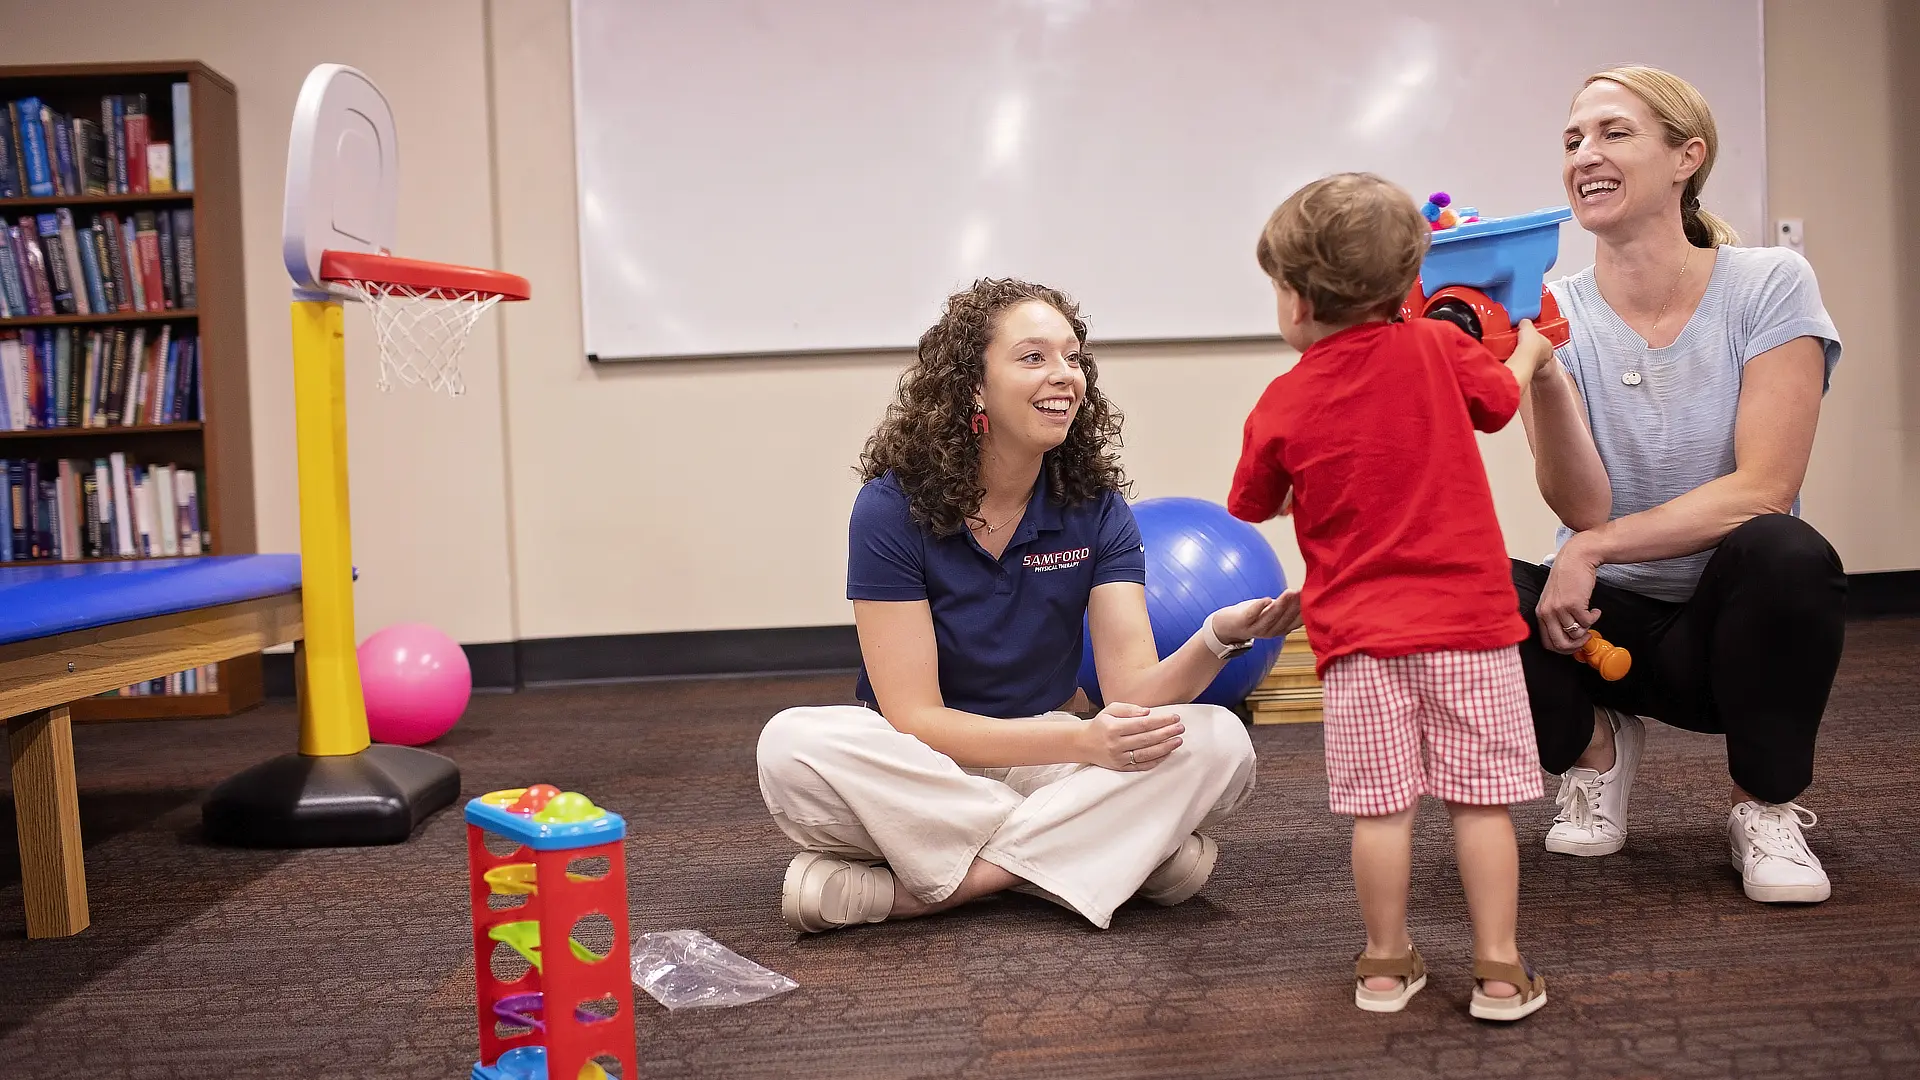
1265,617
1128,738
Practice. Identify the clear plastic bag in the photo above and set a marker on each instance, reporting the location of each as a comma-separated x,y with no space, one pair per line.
686,969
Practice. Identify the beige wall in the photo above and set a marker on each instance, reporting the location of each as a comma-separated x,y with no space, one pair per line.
558,499
1840,89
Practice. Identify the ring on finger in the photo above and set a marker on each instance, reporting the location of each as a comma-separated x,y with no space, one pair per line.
1130,761
1571,628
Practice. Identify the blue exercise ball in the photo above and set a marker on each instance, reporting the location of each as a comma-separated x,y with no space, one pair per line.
1200,559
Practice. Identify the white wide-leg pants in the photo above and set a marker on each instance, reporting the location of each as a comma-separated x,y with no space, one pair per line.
840,779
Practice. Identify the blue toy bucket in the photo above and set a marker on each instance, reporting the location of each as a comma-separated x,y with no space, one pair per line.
1506,258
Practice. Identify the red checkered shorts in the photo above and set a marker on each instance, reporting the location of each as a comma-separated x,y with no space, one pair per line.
1452,724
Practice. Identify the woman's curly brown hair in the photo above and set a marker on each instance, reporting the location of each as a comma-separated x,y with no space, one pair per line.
927,436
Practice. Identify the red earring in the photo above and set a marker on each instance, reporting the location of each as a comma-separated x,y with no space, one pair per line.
979,420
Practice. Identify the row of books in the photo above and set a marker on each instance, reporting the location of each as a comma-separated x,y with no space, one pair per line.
106,508
45,152
200,680
50,264
118,376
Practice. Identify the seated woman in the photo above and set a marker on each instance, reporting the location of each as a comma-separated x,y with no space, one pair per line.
991,522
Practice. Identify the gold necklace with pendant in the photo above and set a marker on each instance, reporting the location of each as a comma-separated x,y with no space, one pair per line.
1632,377
1009,517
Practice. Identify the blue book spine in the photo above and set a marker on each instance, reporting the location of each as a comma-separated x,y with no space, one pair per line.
183,387
90,269
16,242
6,514
48,403
68,162
9,153
33,145
199,384
13,290
169,394
130,245
182,137
119,121
55,256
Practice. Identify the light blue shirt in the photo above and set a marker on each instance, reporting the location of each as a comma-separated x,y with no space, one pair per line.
1663,419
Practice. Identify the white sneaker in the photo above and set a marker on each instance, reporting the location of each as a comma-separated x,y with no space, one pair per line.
1593,805
1772,856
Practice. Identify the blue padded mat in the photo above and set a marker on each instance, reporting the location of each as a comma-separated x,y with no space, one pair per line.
56,598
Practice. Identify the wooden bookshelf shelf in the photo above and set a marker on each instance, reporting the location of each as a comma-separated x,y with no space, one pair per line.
139,198
242,685
102,432
217,446
100,559
100,320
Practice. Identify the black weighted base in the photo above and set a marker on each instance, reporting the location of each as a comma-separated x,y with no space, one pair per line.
377,796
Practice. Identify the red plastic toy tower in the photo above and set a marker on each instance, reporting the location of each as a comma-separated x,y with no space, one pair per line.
562,997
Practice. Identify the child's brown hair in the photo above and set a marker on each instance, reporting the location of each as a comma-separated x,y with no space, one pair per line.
1351,244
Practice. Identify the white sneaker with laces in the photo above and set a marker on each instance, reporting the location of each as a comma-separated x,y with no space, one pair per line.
1593,805
1772,856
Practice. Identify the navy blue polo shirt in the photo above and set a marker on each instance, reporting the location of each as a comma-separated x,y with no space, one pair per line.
1008,629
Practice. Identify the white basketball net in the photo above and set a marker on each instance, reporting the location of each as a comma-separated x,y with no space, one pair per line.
421,334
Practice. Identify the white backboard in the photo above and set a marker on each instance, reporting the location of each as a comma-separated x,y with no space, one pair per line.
343,175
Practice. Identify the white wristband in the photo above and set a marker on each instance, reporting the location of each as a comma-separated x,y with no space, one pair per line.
1219,648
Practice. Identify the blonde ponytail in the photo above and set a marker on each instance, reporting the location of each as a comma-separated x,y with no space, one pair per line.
1704,228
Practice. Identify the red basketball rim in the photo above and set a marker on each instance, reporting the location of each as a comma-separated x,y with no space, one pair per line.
442,280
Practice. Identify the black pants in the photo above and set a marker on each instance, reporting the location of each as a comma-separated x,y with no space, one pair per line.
1751,655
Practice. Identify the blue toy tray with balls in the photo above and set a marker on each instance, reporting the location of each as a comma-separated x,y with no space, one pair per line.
1506,258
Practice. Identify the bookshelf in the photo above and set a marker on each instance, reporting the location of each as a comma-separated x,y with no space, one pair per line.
196,423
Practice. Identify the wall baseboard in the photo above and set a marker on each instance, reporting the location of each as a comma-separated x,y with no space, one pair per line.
1886,592
504,666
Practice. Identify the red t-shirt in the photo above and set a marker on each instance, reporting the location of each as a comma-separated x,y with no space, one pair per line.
1373,432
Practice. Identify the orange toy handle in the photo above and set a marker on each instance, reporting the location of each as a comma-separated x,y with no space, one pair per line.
1610,660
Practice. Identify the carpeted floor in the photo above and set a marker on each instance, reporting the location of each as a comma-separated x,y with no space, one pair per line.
355,963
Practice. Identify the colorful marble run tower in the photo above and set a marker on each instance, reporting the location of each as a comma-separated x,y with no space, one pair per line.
574,1006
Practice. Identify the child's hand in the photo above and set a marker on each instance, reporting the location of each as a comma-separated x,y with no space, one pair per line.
1265,617
1530,352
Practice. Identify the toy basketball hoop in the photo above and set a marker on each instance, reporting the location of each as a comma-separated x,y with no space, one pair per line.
422,311
338,235
337,242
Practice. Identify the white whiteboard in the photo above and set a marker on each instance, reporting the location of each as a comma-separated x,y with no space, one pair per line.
782,176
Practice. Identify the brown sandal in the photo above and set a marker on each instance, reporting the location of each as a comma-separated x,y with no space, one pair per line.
1409,969
1532,995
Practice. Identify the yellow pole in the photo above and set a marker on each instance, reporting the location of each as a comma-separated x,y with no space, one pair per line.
333,714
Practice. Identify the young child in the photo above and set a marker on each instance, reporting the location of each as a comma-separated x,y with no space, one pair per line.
1408,600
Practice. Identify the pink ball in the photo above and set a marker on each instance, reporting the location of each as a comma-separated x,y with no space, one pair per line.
416,682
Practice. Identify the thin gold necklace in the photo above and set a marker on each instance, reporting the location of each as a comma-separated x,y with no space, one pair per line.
1675,291
1009,517
1631,376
